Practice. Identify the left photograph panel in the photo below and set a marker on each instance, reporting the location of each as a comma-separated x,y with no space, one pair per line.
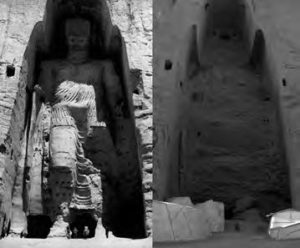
76,123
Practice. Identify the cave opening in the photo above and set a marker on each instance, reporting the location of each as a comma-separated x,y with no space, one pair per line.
10,70
83,225
38,226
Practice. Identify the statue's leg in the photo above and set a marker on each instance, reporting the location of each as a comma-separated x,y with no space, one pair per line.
103,155
62,179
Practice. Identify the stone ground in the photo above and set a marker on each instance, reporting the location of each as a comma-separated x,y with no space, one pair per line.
75,243
233,240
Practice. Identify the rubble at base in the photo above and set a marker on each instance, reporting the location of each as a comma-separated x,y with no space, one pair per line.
180,220
285,225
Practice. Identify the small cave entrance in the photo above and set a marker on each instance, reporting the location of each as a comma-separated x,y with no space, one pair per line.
10,70
38,226
83,225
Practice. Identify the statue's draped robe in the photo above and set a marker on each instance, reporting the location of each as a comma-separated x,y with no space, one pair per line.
75,100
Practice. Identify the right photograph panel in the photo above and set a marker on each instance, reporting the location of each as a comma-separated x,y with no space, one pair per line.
226,119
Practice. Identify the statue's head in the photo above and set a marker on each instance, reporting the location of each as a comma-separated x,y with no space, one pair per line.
77,32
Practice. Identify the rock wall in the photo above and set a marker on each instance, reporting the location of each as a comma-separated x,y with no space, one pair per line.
174,38
134,18
282,38
136,27
18,19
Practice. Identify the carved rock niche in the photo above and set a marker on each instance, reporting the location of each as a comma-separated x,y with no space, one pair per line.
82,167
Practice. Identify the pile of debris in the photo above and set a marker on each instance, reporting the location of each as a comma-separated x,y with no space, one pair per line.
179,219
285,224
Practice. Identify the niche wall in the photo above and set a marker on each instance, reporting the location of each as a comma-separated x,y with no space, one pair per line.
174,121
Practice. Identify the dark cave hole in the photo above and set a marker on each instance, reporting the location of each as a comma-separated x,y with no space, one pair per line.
225,36
284,82
38,226
2,148
168,65
232,32
206,6
196,97
84,226
10,71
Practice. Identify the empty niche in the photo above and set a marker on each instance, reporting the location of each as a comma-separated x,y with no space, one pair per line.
10,71
168,65
197,186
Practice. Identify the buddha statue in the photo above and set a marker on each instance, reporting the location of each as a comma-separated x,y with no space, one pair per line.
77,92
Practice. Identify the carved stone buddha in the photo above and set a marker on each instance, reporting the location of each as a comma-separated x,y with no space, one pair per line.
68,87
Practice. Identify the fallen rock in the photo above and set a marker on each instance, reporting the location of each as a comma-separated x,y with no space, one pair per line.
215,212
175,222
285,224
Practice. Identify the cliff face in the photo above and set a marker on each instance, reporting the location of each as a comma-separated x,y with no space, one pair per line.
17,20
134,18
172,40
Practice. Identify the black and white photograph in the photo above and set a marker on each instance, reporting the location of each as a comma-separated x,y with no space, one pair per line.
226,117
149,123
76,123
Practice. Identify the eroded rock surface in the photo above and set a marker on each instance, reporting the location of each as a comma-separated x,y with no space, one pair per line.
218,130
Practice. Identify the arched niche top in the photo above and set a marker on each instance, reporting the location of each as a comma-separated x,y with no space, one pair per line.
96,11
47,40
258,50
225,14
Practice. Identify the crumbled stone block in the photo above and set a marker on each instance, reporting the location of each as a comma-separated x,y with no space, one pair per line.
175,222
